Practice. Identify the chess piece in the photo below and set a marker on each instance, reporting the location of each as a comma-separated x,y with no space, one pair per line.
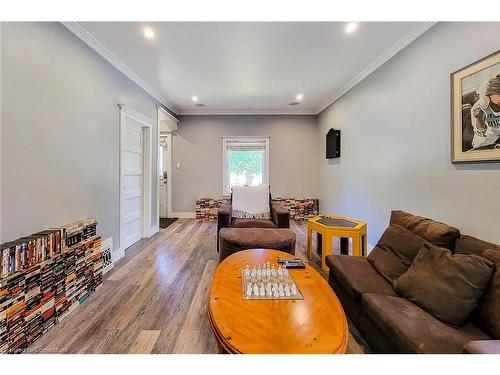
249,290
254,272
262,291
285,272
276,294
247,270
281,293
273,271
255,290
259,271
287,291
280,271
294,289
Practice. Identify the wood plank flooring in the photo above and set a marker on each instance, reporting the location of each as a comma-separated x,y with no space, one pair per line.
154,300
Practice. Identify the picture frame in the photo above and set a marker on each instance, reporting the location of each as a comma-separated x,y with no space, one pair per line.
475,112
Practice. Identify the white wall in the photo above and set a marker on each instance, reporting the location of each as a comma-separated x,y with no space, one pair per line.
396,140
60,131
198,147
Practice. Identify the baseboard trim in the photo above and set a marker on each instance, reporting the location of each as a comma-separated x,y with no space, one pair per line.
154,230
117,255
184,215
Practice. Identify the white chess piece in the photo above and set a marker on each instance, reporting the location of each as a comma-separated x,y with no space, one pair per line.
247,270
262,291
275,293
249,290
254,272
259,271
282,294
287,291
285,272
294,289
255,290
273,271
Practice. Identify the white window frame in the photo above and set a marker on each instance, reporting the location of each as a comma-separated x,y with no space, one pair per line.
225,166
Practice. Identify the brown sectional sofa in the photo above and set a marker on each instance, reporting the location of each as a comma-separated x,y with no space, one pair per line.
392,324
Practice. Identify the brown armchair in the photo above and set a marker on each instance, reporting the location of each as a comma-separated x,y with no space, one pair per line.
280,218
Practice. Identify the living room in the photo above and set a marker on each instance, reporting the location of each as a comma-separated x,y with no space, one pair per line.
215,184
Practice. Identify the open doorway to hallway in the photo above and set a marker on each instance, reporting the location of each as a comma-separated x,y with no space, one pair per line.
167,125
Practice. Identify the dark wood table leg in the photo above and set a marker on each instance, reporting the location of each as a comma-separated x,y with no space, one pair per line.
344,245
319,242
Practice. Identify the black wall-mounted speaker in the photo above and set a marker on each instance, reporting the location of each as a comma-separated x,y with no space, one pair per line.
333,144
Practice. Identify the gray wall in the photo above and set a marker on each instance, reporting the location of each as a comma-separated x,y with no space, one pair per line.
396,140
60,131
293,159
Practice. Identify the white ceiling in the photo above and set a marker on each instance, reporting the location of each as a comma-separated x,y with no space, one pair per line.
247,67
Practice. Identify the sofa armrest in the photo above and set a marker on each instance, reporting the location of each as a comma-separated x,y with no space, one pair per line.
280,216
224,216
482,347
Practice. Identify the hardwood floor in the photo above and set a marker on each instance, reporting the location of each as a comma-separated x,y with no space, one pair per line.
154,300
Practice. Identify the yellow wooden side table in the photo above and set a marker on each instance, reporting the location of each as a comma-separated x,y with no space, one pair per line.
331,226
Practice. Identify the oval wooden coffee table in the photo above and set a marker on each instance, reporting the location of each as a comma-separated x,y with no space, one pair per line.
316,324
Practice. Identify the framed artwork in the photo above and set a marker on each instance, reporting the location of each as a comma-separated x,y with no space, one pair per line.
475,112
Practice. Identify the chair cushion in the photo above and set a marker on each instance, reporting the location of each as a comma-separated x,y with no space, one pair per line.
252,223
357,276
413,330
395,252
471,245
489,305
446,286
232,240
437,233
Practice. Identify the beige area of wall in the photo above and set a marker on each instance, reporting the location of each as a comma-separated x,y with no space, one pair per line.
197,146
396,140
60,131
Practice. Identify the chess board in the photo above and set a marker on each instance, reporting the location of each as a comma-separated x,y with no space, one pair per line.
269,283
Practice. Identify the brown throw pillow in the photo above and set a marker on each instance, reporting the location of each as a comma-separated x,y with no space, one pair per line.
471,245
447,287
437,233
489,306
395,252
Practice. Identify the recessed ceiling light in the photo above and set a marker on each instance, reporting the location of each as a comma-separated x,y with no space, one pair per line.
294,103
194,98
299,97
200,105
149,32
351,27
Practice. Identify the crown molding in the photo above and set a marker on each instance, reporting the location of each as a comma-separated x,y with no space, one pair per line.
168,114
246,112
97,46
402,43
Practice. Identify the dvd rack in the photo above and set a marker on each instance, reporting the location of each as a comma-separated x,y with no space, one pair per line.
43,277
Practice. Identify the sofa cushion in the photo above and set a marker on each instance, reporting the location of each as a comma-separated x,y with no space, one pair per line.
437,233
252,223
413,330
395,252
251,202
232,240
446,286
357,276
471,245
489,305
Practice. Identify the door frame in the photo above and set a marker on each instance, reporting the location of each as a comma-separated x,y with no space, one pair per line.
146,123
164,115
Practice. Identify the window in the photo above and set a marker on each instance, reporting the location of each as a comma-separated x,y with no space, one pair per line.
245,162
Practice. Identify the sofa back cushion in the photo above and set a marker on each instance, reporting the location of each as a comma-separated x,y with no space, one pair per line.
489,306
471,245
395,252
446,286
437,233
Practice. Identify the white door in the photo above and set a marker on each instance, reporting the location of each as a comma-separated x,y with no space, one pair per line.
132,189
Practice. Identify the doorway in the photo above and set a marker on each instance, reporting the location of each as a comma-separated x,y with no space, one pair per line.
167,125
